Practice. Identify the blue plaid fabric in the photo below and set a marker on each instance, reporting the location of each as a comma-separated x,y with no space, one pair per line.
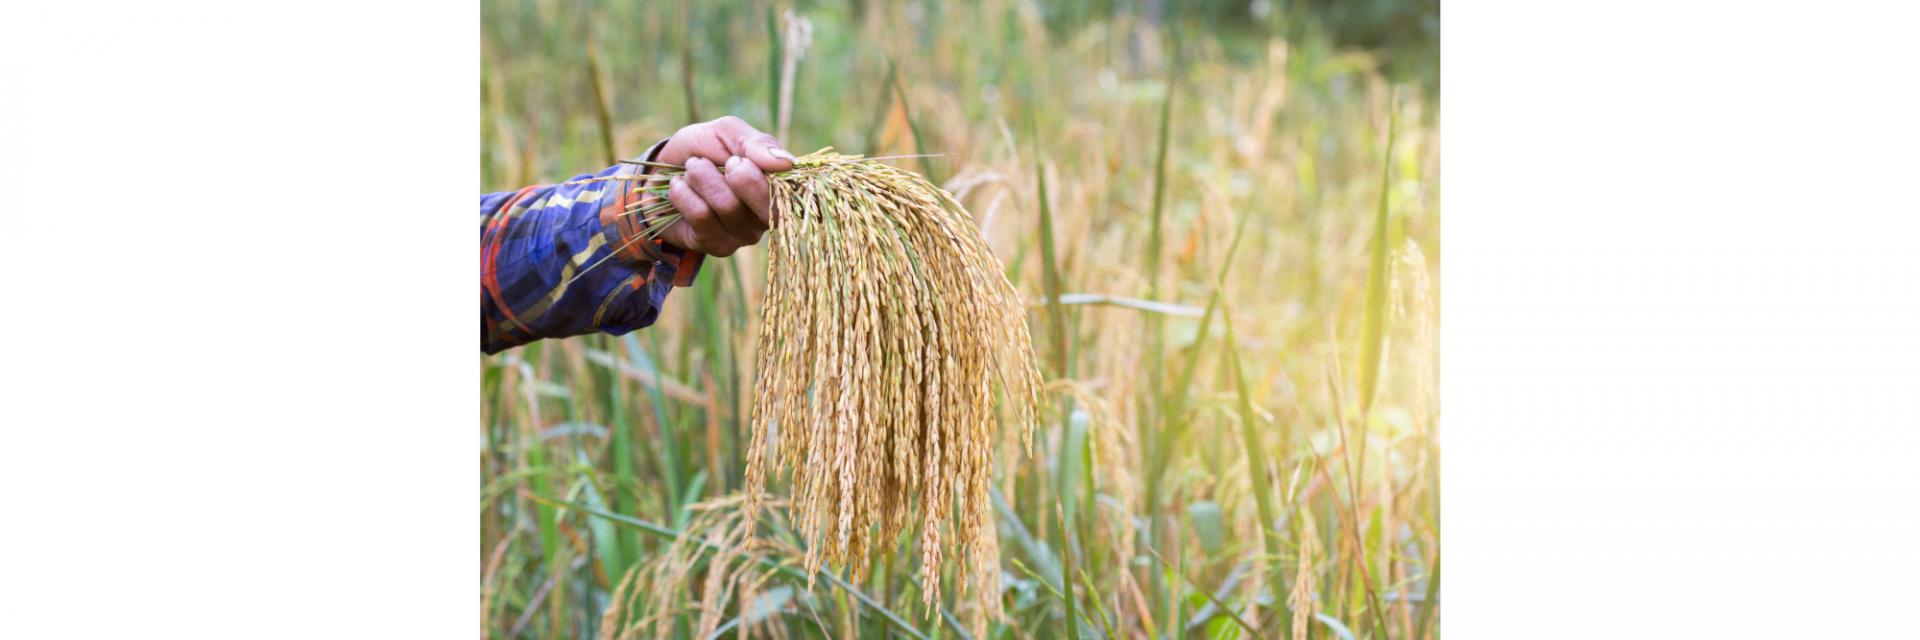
550,267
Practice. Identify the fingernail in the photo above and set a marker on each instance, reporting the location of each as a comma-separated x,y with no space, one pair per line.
733,162
778,152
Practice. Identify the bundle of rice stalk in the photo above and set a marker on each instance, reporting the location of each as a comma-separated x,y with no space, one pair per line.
886,325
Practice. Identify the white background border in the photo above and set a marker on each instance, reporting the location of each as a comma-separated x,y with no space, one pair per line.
1681,319
240,380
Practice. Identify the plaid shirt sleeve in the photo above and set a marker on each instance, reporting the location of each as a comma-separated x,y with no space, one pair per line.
557,261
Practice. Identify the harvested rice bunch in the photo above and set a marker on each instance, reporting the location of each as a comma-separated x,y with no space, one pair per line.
887,326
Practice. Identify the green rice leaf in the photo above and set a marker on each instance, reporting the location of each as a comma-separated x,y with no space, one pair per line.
1379,274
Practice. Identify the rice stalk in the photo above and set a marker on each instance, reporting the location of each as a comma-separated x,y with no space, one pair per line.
1112,448
887,326
1413,307
1300,599
650,599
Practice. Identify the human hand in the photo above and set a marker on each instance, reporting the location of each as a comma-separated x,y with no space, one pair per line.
721,210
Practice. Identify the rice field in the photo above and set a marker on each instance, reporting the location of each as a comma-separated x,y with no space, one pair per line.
1223,228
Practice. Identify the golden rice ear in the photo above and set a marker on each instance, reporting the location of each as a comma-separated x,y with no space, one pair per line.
886,326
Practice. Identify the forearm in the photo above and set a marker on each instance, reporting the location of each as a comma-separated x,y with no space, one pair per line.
559,261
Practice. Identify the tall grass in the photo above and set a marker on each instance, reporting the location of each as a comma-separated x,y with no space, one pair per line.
1181,363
